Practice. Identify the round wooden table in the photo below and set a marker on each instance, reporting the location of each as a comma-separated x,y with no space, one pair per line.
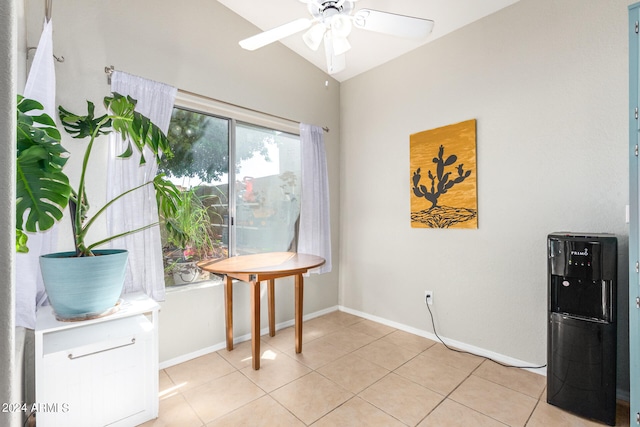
253,269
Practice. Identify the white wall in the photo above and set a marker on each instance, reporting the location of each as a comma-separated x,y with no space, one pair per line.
193,46
547,82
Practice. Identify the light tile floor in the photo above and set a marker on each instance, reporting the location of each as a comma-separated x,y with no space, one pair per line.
355,372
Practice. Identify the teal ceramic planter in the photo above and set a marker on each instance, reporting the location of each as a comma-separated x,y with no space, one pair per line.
83,287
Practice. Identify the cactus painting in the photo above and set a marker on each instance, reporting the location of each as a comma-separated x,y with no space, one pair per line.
443,177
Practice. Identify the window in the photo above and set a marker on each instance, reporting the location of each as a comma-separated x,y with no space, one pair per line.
240,184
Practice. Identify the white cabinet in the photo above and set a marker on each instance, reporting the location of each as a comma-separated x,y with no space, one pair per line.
100,372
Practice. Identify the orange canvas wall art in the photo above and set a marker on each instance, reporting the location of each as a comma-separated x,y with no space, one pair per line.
443,177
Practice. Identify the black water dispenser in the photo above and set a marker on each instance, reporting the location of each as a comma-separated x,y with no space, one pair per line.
581,347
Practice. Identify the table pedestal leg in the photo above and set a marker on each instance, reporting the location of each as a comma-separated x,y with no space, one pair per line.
272,307
255,323
228,311
299,295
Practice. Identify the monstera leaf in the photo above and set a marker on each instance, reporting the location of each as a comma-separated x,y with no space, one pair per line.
42,189
85,126
136,128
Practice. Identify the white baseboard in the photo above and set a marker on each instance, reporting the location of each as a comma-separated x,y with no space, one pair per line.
221,345
453,343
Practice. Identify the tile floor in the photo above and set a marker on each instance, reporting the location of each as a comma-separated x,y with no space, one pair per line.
354,372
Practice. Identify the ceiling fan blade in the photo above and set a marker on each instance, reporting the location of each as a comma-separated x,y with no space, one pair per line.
391,23
335,63
275,34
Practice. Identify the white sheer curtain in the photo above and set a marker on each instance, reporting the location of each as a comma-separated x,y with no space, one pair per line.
315,227
145,270
41,86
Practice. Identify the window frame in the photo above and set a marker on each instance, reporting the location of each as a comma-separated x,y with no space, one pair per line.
234,115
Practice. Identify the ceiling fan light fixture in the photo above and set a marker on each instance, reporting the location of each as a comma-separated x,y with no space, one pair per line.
340,45
313,37
341,26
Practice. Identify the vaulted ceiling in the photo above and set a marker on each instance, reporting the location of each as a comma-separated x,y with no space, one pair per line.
368,49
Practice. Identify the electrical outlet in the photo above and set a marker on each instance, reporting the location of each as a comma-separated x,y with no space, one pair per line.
428,297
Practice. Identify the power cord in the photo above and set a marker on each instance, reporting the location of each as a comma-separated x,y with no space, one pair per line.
473,354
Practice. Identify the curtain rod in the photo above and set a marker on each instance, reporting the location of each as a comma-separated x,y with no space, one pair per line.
109,71
47,10
57,58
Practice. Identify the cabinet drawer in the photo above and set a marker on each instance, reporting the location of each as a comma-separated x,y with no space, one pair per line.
85,339
96,375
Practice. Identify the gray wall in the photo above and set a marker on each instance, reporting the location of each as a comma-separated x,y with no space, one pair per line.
193,46
547,82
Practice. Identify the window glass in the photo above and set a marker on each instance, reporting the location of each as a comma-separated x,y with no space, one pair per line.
267,190
265,181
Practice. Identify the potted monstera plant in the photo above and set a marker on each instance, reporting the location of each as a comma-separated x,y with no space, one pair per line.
87,281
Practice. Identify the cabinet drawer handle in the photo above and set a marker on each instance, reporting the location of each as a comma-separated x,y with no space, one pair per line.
71,356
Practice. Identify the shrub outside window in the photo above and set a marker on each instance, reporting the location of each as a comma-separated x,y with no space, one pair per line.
241,187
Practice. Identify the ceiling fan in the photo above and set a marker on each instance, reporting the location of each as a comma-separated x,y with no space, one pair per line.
332,23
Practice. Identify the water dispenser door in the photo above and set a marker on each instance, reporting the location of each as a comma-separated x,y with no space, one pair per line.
581,376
